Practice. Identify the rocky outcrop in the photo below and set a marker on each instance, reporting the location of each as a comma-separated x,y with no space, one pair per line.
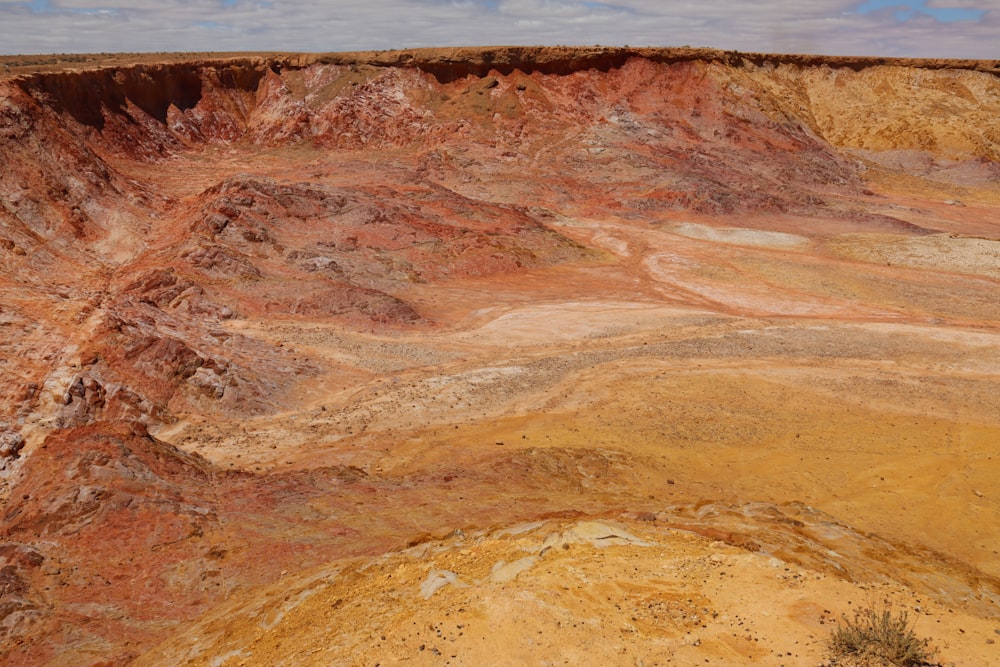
148,110
455,63
217,250
11,444
95,507
133,369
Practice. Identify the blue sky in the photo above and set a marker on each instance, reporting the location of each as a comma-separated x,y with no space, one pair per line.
924,28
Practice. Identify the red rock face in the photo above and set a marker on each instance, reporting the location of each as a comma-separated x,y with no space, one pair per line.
129,530
110,533
164,226
243,247
95,499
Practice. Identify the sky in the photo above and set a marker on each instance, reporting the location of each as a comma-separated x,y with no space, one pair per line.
911,28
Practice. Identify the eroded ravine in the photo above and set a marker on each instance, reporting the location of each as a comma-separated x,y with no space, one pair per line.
362,302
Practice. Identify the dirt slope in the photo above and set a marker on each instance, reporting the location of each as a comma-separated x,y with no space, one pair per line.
294,337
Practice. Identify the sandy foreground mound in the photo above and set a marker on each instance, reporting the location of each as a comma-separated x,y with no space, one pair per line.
592,591
496,356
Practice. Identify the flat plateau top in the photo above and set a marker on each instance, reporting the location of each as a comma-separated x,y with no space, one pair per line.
478,59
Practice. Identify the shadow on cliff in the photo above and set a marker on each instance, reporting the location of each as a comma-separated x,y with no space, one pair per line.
91,95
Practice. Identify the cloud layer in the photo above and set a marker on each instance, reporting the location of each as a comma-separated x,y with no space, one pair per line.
921,28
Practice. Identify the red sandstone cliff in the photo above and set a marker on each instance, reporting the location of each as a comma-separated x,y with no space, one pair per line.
157,218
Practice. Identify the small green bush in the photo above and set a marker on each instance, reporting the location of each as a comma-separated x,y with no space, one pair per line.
878,637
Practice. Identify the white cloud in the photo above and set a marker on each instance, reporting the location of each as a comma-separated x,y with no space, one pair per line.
964,4
831,27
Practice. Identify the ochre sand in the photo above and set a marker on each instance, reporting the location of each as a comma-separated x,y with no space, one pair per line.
502,356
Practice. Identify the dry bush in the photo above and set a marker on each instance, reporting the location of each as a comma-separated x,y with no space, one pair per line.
879,637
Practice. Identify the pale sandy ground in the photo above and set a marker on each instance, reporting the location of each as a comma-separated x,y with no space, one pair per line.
746,426
597,592
727,364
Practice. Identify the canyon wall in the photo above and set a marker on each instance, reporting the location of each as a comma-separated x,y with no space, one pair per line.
203,247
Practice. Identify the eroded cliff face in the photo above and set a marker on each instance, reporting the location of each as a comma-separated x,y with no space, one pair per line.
461,288
109,177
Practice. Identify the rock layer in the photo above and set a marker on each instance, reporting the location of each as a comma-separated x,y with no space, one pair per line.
364,301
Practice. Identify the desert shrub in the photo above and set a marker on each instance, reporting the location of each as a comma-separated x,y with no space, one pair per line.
878,637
